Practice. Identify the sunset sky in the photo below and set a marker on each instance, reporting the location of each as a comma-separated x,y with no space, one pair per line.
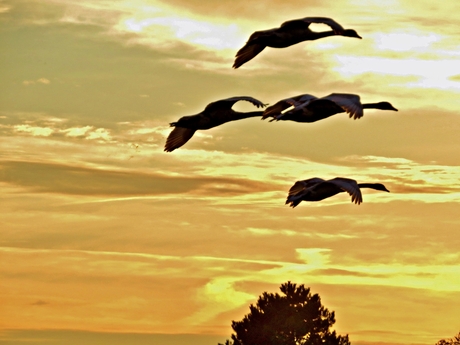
106,239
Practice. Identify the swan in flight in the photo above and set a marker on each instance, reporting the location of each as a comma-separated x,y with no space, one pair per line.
288,34
308,108
215,114
316,189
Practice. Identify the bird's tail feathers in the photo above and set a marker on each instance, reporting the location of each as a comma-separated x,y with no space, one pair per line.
292,201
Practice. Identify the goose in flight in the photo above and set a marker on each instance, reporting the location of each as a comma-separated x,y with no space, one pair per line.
308,108
288,34
316,189
215,114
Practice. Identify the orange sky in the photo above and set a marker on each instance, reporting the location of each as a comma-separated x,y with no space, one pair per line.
101,232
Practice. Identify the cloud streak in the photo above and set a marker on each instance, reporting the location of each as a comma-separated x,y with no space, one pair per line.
225,276
54,178
38,81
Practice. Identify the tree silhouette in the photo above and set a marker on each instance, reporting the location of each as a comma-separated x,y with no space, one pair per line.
294,318
453,341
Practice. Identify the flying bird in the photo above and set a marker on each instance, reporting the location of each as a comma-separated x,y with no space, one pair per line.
288,34
308,108
316,189
215,114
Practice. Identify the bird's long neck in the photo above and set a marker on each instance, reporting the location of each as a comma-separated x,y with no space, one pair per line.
313,35
240,115
372,105
367,185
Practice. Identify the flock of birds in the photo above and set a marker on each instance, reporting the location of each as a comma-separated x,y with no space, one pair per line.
301,108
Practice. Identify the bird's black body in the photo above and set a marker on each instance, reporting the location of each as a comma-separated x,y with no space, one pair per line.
288,34
215,114
317,189
308,108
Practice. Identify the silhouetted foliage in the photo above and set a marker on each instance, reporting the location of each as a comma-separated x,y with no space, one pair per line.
227,342
453,341
294,318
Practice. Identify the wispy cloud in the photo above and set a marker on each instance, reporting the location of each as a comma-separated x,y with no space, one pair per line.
225,276
4,8
298,233
38,81
405,178
35,131
402,41
66,179
77,131
40,303
204,34
100,134
431,73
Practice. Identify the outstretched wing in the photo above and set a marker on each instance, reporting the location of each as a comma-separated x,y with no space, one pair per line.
295,24
301,186
350,186
178,137
248,52
299,189
284,104
229,102
350,103
336,27
252,48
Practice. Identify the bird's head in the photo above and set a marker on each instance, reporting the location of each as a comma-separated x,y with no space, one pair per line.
386,106
379,186
350,33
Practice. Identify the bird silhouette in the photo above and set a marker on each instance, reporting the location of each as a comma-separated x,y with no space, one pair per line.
316,189
288,34
308,108
215,114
